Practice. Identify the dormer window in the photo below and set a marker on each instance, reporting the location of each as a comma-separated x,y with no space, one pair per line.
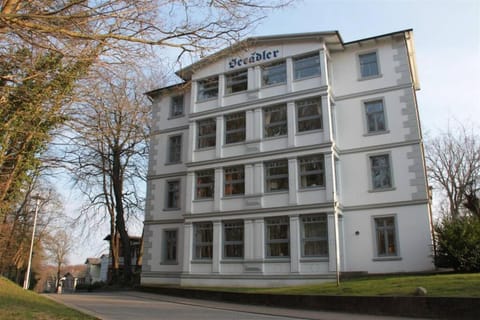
207,89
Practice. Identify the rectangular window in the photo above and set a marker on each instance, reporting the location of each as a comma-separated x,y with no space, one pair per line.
207,88
234,181
175,149
173,194
275,121
237,82
233,239
203,238
368,65
205,184
275,73
381,173
170,246
207,133
276,175
309,114
386,238
306,66
312,171
277,237
314,236
235,127
375,116
176,106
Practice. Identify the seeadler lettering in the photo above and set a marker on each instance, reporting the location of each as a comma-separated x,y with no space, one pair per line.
253,58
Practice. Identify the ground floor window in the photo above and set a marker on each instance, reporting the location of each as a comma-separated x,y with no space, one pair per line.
170,246
314,233
385,236
203,240
233,239
277,237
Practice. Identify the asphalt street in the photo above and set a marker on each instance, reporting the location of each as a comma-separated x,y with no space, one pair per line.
139,305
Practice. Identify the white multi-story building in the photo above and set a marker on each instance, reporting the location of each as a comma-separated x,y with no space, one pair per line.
285,160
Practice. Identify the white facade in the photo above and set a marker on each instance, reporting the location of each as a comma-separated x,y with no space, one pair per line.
288,159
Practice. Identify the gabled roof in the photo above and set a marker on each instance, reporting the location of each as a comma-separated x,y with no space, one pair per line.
331,38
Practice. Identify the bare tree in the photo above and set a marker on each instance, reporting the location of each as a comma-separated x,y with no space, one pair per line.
58,246
107,155
453,161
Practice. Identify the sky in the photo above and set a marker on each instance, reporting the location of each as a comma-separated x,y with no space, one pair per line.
447,45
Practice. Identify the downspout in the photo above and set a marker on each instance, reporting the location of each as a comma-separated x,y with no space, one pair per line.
334,174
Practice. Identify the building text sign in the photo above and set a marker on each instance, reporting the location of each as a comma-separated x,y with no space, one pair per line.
254,57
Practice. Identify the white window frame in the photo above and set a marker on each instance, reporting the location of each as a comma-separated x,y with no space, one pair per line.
203,247
170,246
304,63
175,106
279,126
312,159
234,79
269,177
376,130
235,244
209,187
372,170
204,140
229,183
177,152
235,132
315,119
320,240
207,88
277,223
360,63
271,71
168,183
386,240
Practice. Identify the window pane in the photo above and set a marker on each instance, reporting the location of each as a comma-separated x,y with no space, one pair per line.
207,88
275,121
205,184
368,64
237,82
274,73
234,180
206,133
312,171
235,127
173,194
175,149
307,66
314,235
309,115
233,239
380,168
277,237
176,107
385,236
375,116
170,245
276,175
203,240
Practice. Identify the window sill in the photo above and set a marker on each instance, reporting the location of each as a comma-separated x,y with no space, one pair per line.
205,149
201,261
376,133
391,258
382,190
313,188
314,259
276,259
206,99
203,200
171,209
233,144
284,136
370,77
234,196
306,78
232,260
226,95
169,263
173,163
301,133
276,192
176,117
265,86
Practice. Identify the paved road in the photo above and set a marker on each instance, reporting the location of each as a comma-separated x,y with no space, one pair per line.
139,305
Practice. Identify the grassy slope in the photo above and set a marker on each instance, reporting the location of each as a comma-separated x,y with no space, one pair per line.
17,303
446,285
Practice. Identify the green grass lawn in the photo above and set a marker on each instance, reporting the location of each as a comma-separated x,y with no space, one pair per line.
19,304
440,285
